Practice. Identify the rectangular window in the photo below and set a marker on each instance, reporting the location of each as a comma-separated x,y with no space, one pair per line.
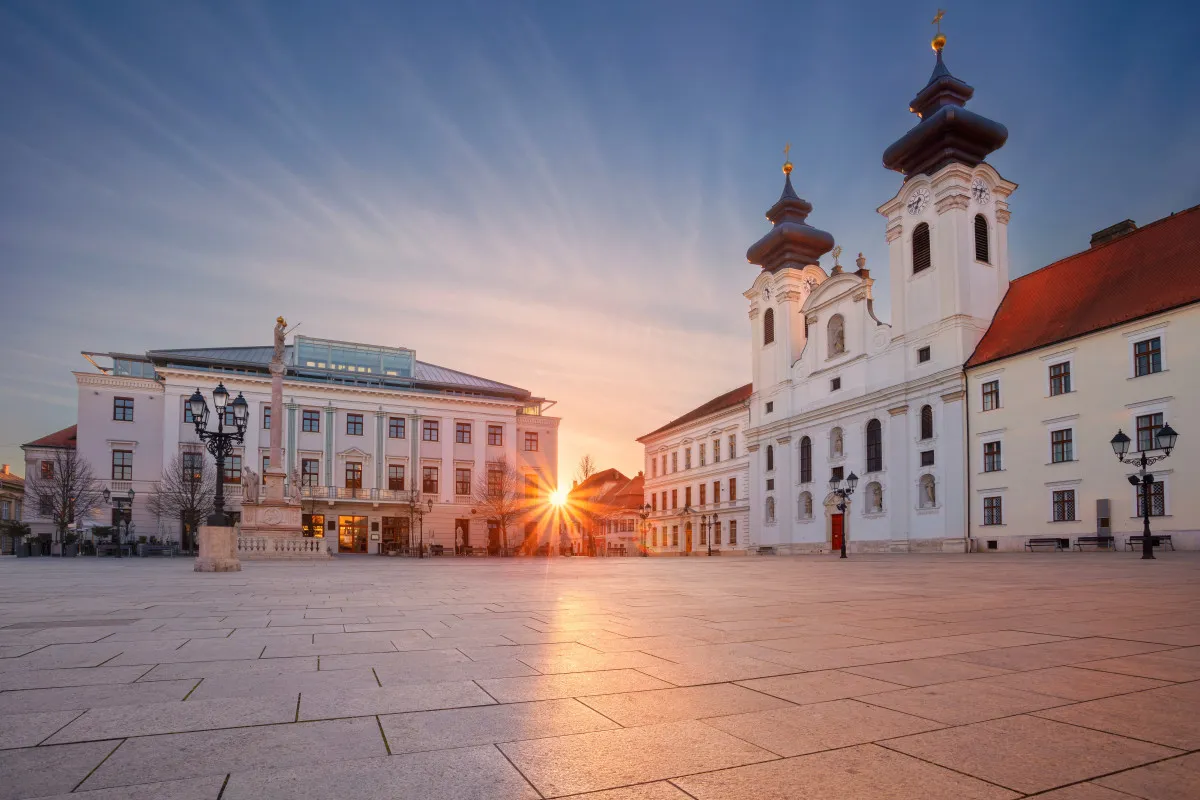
770,406
654,536
1064,505
716,491
353,474
429,480
354,424
266,417
1158,499
835,384
733,531
654,501
192,465
122,465
429,430
770,484
732,489
922,355
716,533
531,487
47,470
395,427
1060,378
703,492
703,454
233,469
228,420
187,412
991,395
716,451
687,496
310,422
396,477
733,445
687,458
675,462
462,432
1060,446
837,474
664,500
1147,357
993,511
1147,426
266,466
675,536
496,435
926,458
462,481
310,471
531,441
991,457
495,482
654,468
123,409
674,498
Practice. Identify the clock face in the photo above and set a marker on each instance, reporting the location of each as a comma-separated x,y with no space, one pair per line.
918,201
981,192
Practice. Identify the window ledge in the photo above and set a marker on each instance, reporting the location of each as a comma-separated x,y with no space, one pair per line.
1147,375
991,471
1064,521
1056,463
995,525
877,514
1153,516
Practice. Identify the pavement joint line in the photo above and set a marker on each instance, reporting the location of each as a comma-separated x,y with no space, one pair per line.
65,724
93,769
376,674
1172,757
524,777
194,688
224,784
382,733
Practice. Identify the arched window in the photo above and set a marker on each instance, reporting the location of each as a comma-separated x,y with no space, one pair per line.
835,443
874,446
770,458
920,248
837,335
926,422
770,509
928,492
768,326
981,240
806,460
874,498
804,508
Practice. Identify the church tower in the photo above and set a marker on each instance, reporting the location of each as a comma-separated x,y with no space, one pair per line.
947,227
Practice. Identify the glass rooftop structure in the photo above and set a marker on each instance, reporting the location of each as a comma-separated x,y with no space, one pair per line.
365,359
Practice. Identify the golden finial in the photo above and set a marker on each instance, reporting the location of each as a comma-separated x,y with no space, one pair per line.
939,39
837,253
787,164
280,320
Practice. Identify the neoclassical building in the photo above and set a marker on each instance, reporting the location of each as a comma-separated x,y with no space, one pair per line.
367,430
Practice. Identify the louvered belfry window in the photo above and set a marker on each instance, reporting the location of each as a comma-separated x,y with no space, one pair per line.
981,240
920,248
768,326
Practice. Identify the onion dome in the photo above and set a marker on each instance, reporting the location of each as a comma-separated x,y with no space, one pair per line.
947,132
792,242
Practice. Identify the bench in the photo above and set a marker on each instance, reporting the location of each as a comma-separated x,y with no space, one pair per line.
766,551
111,549
1155,540
156,550
1056,543
1101,542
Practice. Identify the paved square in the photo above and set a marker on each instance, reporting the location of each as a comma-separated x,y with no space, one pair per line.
1061,675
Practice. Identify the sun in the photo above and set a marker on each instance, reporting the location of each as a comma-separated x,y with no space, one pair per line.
558,498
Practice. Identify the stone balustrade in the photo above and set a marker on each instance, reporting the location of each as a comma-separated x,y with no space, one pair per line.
264,547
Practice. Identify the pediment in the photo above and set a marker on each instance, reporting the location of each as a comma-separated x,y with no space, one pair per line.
354,454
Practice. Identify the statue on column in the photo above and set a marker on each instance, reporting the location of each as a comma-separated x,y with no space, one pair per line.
280,330
249,485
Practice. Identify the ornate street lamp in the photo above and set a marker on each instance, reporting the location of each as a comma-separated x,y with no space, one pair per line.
1164,439
644,513
126,517
712,526
686,514
419,510
843,490
219,442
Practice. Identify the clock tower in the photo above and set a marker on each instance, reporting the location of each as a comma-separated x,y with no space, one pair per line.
947,227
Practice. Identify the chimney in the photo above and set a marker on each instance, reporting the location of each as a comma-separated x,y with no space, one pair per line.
6,472
640,473
1113,232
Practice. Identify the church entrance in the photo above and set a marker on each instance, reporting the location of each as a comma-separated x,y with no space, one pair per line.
837,531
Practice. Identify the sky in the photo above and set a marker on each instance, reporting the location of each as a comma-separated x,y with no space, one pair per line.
557,195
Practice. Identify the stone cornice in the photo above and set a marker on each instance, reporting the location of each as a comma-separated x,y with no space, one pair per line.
896,411
894,231
117,381
955,199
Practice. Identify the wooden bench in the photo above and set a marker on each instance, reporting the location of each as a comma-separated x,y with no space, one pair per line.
1056,543
1101,542
1155,540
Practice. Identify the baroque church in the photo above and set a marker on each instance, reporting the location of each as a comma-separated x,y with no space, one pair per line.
836,390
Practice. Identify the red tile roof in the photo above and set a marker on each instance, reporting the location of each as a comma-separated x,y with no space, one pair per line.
1153,269
727,400
64,438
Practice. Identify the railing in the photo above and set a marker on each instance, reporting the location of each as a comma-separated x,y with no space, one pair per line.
281,545
350,493
120,486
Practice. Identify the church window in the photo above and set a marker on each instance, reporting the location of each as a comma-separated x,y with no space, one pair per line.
920,248
981,240
923,354
926,422
1060,378
768,326
835,384
770,458
806,460
874,446
837,335
991,395
926,458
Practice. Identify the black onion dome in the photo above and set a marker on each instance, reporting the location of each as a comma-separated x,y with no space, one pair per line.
947,132
791,241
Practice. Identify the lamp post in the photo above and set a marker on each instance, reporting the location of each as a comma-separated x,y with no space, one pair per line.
1163,440
712,526
686,513
419,510
219,442
644,513
126,517
843,489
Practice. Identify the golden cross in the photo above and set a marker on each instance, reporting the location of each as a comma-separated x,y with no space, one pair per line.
937,20
837,253
787,149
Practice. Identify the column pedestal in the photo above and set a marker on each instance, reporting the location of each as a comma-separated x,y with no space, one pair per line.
218,549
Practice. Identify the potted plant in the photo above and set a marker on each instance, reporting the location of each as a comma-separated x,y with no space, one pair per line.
70,544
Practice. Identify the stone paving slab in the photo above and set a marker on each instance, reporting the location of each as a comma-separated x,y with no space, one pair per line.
353,701
40,771
25,701
189,789
1174,779
684,703
193,715
27,730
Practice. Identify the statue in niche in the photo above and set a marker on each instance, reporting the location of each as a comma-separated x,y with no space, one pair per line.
806,506
875,498
249,485
837,335
928,492
835,447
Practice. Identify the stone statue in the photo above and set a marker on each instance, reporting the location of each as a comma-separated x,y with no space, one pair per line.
458,538
930,498
837,336
295,491
249,485
837,442
876,498
280,330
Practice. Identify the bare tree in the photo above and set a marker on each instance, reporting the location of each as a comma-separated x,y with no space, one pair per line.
186,493
500,495
586,468
68,494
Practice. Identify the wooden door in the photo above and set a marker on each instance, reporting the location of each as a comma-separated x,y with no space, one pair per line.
689,538
838,521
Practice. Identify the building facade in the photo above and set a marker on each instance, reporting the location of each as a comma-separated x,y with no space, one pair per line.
371,434
603,514
12,494
1059,373
40,457
696,474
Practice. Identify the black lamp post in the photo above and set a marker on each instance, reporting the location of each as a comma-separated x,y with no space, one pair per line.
125,517
219,442
687,513
419,510
712,526
843,490
644,513
1164,440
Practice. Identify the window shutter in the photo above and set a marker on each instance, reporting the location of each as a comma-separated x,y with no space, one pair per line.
920,248
981,240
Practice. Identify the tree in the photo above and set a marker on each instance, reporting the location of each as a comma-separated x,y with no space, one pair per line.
186,493
586,468
500,494
16,531
67,494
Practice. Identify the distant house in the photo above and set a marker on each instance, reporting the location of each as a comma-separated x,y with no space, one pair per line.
12,493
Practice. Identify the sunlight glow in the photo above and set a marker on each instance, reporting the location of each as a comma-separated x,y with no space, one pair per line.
558,498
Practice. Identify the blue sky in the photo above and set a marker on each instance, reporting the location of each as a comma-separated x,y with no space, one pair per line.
556,195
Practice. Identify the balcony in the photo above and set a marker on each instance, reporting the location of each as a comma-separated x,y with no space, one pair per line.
350,493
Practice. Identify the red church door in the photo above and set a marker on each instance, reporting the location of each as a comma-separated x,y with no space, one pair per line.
836,540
